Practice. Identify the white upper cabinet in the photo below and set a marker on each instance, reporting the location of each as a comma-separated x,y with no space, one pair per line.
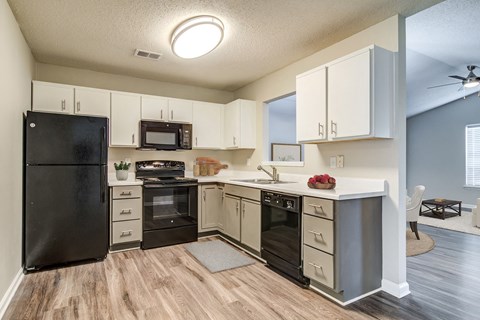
207,125
240,125
167,109
92,102
312,105
361,95
154,108
360,98
125,117
52,97
180,110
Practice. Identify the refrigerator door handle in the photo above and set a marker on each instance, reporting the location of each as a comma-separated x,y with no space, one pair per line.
102,183
102,142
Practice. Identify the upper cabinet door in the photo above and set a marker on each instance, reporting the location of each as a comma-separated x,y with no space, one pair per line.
92,102
154,108
248,124
125,117
52,97
232,125
349,104
180,110
207,125
312,105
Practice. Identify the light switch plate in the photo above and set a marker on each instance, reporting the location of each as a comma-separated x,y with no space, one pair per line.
333,162
340,161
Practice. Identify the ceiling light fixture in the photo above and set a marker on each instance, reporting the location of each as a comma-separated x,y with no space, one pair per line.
197,36
470,83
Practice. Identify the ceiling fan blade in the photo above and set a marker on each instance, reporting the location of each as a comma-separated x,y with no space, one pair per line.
458,77
444,85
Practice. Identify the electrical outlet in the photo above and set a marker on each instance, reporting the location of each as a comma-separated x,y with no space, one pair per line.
333,162
340,162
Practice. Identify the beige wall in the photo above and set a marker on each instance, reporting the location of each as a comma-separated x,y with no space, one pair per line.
368,159
17,66
89,78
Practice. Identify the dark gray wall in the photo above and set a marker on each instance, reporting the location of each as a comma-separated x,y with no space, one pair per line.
436,150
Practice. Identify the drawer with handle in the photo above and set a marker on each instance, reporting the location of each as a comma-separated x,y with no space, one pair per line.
318,266
318,233
126,192
126,209
322,208
126,231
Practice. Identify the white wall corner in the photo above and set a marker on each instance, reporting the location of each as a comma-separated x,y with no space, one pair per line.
7,297
398,290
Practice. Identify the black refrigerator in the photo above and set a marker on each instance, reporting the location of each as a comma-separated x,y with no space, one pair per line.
65,189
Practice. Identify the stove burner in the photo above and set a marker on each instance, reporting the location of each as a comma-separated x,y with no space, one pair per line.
162,172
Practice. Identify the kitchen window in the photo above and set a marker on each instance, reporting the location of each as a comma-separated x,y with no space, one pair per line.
472,155
280,136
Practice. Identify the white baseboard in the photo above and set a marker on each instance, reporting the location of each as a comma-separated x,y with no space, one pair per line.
7,297
343,304
398,290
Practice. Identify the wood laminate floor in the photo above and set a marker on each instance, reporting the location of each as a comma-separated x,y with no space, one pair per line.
168,283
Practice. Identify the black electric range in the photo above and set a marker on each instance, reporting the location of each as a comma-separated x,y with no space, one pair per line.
170,203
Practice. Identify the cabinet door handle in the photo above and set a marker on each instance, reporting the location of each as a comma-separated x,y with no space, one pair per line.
63,104
333,124
126,233
124,193
319,234
196,141
161,114
204,195
320,129
124,211
133,138
243,209
171,115
316,266
78,106
234,141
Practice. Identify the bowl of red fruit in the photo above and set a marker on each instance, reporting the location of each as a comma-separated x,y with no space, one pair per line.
323,181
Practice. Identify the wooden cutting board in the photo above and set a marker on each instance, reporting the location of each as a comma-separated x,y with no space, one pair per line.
211,161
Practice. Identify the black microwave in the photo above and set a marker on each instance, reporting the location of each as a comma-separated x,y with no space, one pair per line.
165,135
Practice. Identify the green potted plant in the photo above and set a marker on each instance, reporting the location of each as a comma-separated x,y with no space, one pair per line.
122,170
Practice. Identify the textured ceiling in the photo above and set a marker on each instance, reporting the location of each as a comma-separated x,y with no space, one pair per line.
441,41
260,36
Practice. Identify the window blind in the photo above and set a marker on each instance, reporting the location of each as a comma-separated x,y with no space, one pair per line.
472,155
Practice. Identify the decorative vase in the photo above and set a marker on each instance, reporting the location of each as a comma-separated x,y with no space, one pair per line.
122,174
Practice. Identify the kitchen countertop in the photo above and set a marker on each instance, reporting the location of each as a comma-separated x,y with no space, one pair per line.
131,181
346,188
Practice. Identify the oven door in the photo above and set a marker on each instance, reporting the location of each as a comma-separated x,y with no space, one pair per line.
281,233
167,206
158,135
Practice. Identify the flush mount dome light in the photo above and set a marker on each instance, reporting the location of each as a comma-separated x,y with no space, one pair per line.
197,36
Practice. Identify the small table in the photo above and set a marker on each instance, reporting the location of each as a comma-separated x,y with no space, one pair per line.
437,207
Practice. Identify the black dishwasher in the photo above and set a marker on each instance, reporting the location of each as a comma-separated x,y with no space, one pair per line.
282,234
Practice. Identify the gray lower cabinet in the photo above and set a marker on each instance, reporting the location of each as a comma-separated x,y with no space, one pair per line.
234,211
243,218
342,245
126,207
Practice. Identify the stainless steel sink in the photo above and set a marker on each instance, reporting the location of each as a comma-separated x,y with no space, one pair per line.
262,181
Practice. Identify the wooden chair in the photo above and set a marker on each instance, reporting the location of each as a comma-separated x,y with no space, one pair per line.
413,208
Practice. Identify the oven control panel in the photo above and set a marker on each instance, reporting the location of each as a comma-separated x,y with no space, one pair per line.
279,200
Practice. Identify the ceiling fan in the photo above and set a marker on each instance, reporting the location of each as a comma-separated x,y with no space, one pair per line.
469,81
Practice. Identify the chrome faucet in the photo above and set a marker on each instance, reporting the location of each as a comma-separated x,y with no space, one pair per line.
274,175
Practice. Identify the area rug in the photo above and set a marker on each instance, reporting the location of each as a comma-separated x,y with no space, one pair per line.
218,256
416,247
458,223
